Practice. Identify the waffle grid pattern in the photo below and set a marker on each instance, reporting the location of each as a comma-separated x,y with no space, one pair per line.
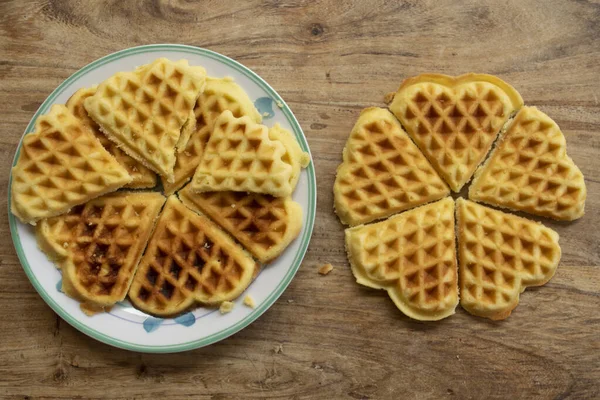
383,172
99,244
61,165
142,177
240,156
531,171
188,260
454,121
263,224
500,255
412,256
219,95
143,111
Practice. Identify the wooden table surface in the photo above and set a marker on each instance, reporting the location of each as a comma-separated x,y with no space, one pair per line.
326,337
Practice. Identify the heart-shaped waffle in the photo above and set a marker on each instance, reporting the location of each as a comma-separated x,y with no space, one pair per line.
61,165
244,156
220,94
141,176
412,256
454,120
189,259
500,255
99,244
383,172
143,111
529,170
263,224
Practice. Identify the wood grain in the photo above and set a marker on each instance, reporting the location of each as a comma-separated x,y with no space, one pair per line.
326,337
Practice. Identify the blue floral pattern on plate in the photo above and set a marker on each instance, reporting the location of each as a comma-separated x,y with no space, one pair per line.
187,319
264,105
150,324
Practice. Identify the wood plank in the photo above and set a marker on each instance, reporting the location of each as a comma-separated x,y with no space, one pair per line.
326,337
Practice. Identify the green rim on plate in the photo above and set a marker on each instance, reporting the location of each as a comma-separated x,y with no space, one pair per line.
273,296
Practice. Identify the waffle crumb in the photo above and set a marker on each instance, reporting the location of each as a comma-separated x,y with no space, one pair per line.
226,307
75,361
278,349
325,269
249,301
279,104
265,114
389,97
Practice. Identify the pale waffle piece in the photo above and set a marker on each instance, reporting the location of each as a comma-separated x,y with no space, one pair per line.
143,111
188,260
411,255
529,170
142,176
263,224
99,244
294,156
190,124
500,255
382,172
455,120
188,128
61,165
220,94
244,156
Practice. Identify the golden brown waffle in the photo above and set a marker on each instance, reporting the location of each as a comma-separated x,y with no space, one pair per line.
141,176
500,255
61,165
263,224
99,244
143,111
412,256
382,172
219,95
189,259
455,120
529,170
244,156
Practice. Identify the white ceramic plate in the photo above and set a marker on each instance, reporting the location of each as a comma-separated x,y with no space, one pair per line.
124,326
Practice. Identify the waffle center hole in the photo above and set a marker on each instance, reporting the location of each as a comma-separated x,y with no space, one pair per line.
143,294
151,276
167,289
114,269
198,262
175,270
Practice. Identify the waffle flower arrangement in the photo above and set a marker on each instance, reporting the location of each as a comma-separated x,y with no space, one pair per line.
440,133
204,242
